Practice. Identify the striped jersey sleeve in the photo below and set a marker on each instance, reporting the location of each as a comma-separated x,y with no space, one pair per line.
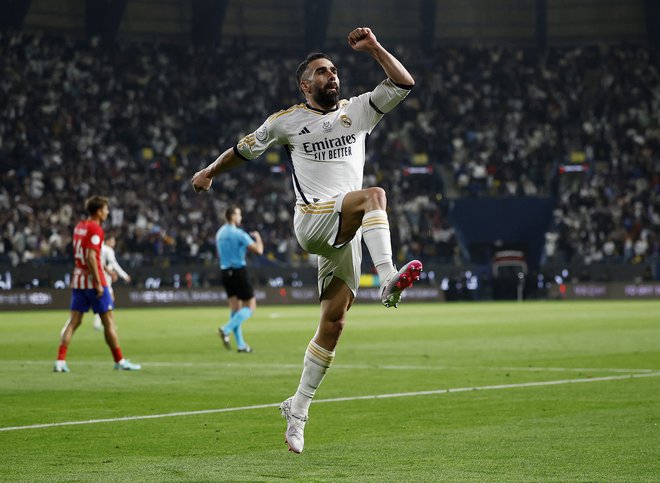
269,133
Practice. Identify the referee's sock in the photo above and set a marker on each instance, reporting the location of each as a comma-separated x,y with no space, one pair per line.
224,327
238,335
237,319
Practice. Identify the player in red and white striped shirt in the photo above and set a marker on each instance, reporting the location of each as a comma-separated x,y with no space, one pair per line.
90,288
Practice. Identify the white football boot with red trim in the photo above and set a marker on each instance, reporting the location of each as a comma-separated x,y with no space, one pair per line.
393,287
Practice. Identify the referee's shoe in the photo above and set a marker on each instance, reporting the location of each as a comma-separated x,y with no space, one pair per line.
225,338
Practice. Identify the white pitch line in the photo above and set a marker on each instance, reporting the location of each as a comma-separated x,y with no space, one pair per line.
568,369
398,367
498,368
339,399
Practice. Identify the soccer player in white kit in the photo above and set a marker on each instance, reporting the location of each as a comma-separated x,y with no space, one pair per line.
325,139
112,271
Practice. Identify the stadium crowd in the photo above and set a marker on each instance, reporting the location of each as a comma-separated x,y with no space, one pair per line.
134,121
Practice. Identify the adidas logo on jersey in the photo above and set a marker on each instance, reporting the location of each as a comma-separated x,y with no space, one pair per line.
304,131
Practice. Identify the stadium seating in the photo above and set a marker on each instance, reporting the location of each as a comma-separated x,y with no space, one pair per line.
134,121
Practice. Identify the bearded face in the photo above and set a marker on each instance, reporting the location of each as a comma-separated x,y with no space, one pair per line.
326,96
323,83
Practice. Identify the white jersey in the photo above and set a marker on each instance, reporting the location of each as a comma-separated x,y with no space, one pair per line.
326,148
109,261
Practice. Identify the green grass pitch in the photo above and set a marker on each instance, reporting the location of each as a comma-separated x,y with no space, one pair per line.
523,421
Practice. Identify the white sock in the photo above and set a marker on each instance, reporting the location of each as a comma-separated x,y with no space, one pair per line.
376,234
317,362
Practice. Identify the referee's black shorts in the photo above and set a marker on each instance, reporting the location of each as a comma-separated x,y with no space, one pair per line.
236,283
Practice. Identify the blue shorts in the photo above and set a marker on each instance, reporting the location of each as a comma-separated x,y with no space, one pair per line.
83,299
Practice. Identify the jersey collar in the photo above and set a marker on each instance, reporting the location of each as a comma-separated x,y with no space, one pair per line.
321,110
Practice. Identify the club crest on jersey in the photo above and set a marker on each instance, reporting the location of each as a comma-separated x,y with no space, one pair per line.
345,120
262,133
327,126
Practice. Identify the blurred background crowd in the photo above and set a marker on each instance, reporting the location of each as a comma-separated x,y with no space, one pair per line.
135,120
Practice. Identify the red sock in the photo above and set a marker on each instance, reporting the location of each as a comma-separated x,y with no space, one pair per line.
61,354
116,353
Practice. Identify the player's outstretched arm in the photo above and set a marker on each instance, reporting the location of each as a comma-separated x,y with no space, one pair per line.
363,39
203,178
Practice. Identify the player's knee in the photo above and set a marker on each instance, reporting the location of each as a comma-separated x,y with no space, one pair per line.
377,197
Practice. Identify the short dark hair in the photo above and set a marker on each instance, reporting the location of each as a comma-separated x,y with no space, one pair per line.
229,212
303,65
95,203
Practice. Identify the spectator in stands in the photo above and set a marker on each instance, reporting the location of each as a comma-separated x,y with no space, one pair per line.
492,122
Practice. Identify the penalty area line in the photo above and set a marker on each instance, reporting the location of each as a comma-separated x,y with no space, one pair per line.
339,399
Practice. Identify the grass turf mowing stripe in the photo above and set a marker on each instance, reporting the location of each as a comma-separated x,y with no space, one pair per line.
397,367
341,399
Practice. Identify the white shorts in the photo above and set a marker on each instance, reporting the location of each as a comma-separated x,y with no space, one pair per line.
317,227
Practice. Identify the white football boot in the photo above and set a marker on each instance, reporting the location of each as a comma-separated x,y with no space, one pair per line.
295,427
126,365
395,284
60,366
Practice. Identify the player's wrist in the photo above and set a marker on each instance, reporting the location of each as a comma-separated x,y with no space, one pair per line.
377,51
